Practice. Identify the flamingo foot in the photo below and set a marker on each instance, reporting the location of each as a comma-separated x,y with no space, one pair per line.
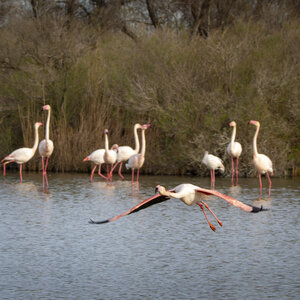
212,227
220,223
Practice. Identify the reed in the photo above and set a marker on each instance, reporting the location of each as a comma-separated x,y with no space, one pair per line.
189,90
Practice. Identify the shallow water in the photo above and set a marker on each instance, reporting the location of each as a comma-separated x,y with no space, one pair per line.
49,250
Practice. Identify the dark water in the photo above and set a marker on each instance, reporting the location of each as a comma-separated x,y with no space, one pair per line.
167,251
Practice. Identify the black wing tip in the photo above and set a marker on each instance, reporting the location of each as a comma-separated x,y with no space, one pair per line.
256,209
98,222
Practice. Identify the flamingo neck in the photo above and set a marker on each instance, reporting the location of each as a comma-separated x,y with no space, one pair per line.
47,126
136,140
36,139
255,153
143,150
106,143
233,137
171,194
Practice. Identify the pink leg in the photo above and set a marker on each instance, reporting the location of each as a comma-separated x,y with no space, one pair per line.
21,176
270,184
220,223
43,165
132,177
260,184
214,176
92,174
46,165
232,170
99,172
237,172
137,175
4,166
111,171
107,170
210,225
211,179
120,168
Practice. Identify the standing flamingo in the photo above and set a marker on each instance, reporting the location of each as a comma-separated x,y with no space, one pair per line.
22,155
125,152
213,163
262,163
234,149
97,157
136,161
189,194
110,156
46,146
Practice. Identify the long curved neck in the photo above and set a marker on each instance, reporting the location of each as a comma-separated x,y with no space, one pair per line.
106,143
233,137
136,139
36,139
171,194
47,126
255,153
143,150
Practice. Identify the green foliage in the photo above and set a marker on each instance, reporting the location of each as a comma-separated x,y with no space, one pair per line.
189,90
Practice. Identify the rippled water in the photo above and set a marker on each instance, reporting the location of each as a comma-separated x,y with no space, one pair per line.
167,251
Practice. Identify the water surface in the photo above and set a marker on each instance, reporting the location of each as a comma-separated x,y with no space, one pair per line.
49,250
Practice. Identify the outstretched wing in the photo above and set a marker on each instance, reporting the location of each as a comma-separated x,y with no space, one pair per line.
232,201
157,198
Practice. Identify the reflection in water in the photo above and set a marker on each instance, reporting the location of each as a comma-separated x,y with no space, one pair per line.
48,250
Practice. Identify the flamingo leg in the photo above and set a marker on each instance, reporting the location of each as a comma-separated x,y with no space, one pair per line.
232,170
4,166
132,177
120,168
46,165
43,166
237,172
220,223
213,228
99,172
270,184
137,175
260,184
107,169
211,179
21,176
214,179
111,171
92,174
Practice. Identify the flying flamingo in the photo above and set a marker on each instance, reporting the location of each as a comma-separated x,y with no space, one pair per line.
262,163
22,155
234,149
46,146
213,163
125,152
189,194
136,161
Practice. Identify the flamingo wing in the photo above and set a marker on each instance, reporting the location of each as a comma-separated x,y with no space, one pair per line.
157,198
232,201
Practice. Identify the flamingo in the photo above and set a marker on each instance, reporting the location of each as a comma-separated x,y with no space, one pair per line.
262,163
234,149
125,152
213,163
46,146
98,157
136,161
189,194
110,156
23,155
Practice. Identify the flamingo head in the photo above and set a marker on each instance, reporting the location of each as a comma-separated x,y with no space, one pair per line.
146,126
38,124
137,126
46,107
105,131
256,123
232,124
160,189
115,147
